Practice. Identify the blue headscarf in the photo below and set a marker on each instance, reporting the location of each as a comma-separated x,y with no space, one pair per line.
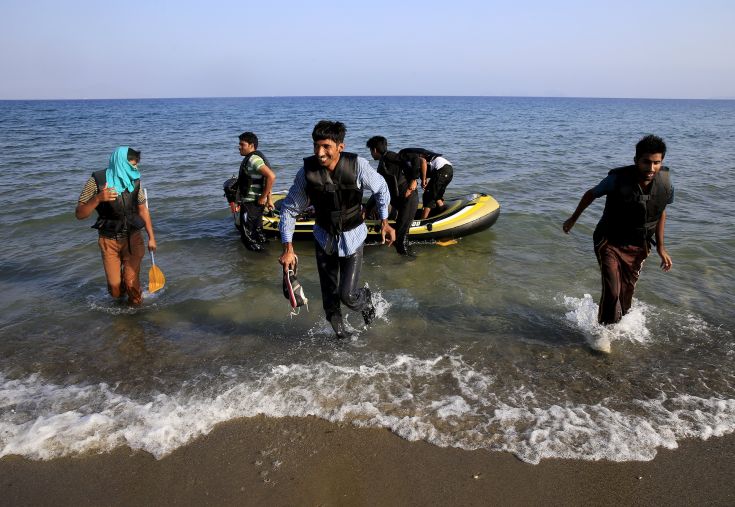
120,173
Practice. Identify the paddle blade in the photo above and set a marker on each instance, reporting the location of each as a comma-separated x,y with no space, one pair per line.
156,280
446,242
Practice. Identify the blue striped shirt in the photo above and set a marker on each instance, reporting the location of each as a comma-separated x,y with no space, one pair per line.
348,241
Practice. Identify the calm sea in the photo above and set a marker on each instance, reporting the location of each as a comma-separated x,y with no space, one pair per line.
479,345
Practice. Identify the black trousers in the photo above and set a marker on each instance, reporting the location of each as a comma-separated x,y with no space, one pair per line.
406,214
339,278
437,185
251,219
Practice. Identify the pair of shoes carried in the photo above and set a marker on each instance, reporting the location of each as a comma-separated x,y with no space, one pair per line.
368,313
293,291
339,326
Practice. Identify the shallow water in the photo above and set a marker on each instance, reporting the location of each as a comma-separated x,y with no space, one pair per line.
483,344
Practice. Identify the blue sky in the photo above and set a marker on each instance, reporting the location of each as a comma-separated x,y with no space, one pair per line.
138,49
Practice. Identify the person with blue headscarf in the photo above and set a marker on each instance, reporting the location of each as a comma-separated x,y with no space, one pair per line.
121,216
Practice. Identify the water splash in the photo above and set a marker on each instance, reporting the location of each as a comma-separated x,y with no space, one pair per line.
631,328
103,302
323,329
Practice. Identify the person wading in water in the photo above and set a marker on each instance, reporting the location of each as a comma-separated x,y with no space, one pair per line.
121,208
333,182
634,218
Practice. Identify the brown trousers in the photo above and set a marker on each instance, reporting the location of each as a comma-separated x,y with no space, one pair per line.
620,267
121,259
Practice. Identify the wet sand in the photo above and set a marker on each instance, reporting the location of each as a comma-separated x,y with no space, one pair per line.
308,461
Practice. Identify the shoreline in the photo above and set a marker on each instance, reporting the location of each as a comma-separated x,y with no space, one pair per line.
297,461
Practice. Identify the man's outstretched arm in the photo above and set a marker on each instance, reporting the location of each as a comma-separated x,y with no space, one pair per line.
584,202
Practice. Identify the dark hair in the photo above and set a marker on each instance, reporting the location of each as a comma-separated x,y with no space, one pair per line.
249,137
650,144
133,155
379,143
332,130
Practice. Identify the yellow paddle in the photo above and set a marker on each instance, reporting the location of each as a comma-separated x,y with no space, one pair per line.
156,280
446,242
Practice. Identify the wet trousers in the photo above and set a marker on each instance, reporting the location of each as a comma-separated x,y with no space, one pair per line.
121,259
406,214
251,221
339,278
620,267
438,182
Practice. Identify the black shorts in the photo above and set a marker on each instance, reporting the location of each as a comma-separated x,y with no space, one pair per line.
438,182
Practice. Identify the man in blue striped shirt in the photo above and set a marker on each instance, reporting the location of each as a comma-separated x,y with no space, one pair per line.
333,182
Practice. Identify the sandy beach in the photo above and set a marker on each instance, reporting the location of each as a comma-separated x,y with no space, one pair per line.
308,461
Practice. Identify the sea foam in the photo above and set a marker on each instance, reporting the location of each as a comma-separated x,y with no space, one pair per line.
42,421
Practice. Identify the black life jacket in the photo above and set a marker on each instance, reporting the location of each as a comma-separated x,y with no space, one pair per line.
392,168
336,197
631,216
408,153
246,180
119,216
405,152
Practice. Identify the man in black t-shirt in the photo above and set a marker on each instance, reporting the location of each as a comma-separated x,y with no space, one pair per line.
401,174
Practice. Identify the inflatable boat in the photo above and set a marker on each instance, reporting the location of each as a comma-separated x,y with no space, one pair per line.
461,216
